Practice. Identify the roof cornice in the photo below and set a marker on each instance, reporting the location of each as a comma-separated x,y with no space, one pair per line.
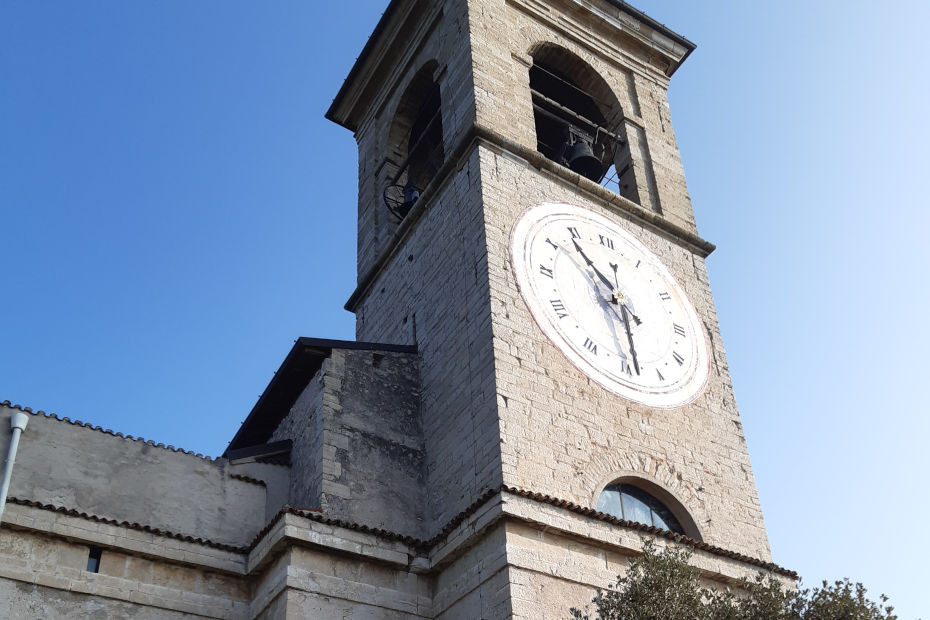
636,24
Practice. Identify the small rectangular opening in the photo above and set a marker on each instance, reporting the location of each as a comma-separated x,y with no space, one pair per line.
93,559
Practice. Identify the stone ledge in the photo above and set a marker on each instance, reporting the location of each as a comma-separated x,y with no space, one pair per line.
619,538
121,537
479,135
354,591
339,538
466,529
130,591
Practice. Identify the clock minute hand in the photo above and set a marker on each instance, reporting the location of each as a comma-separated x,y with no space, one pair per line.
618,296
629,336
590,264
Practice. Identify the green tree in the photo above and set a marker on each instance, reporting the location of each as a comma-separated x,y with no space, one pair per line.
662,585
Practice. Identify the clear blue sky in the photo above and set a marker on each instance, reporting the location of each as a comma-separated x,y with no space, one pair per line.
175,211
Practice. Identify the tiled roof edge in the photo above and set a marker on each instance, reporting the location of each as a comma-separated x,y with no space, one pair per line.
261,533
314,515
457,520
248,479
649,529
71,512
417,543
426,545
106,431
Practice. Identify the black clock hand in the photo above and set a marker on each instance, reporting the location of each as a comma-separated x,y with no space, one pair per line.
609,314
617,300
590,264
629,336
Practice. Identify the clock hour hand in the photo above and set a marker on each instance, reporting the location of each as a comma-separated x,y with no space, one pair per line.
590,264
613,287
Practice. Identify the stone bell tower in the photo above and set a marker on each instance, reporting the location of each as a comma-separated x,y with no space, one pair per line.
467,114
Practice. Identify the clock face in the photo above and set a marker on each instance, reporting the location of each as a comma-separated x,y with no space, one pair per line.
609,304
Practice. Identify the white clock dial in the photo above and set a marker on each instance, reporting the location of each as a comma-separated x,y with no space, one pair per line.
609,304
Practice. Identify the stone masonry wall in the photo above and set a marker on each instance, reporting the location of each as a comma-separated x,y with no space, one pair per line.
440,35
441,284
357,449
514,408
29,600
373,457
477,583
277,479
324,585
434,293
303,425
93,471
561,433
45,576
504,34
565,435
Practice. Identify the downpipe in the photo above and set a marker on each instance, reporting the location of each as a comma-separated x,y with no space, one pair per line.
18,424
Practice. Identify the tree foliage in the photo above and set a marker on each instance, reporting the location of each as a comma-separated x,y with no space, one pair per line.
662,585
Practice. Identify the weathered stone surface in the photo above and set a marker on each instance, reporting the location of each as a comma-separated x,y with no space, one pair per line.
358,441
46,576
92,471
35,601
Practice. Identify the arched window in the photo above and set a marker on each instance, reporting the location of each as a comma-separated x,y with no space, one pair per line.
415,142
632,503
424,145
579,123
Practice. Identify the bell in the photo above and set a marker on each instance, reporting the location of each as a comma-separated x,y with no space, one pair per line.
581,159
411,194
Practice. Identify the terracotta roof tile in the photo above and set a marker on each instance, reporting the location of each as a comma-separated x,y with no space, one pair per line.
679,538
132,526
426,545
315,515
100,429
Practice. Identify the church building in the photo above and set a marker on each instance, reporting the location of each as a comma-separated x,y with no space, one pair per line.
538,384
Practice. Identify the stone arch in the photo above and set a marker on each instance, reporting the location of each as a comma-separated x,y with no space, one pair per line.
653,475
567,91
581,74
415,149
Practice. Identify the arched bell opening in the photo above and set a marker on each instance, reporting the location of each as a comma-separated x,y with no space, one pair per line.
578,119
416,150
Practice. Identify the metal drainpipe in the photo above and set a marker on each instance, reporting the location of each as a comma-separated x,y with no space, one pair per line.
18,423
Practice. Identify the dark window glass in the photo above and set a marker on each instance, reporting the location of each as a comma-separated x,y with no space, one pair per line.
631,503
93,559
634,509
660,522
662,514
609,501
